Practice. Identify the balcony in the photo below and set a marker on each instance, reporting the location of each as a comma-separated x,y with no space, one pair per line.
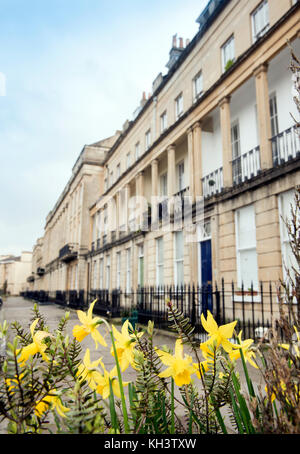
40,271
246,166
69,252
213,183
285,146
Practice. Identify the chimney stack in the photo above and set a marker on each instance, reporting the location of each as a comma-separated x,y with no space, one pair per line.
174,41
180,43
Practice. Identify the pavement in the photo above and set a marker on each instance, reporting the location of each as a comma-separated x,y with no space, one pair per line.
19,309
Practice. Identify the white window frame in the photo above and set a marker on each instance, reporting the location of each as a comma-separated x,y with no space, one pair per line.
163,184
241,249
137,150
107,273
198,86
118,269
163,121
141,255
178,260
94,274
228,52
263,11
128,270
159,265
118,171
274,114
101,265
179,106
128,160
181,185
147,139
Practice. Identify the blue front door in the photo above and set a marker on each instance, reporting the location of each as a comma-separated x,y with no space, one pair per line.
206,276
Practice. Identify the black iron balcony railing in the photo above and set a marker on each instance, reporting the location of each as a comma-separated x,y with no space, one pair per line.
68,252
40,271
162,209
285,146
212,183
246,166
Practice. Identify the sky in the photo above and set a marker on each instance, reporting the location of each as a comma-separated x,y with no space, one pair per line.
71,73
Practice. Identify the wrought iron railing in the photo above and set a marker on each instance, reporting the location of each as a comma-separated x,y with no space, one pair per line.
212,183
246,166
69,251
286,146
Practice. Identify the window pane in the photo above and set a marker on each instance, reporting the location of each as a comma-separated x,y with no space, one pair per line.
247,228
179,245
160,251
248,268
179,273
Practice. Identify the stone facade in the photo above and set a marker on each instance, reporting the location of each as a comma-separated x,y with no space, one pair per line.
223,138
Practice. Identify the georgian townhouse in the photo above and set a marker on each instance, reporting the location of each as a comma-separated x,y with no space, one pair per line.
195,187
217,128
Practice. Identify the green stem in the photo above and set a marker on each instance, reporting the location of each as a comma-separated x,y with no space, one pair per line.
248,380
125,414
124,408
172,407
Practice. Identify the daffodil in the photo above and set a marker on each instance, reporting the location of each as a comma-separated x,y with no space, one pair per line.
88,326
208,351
125,343
218,334
52,400
37,346
295,345
87,370
103,380
13,383
245,347
180,367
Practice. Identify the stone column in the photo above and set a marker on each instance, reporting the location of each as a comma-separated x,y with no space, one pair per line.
140,193
226,141
127,198
171,176
197,158
191,151
154,189
117,213
263,115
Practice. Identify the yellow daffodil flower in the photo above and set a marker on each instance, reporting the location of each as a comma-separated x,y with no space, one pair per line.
103,387
89,326
245,347
52,400
180,368
87,370
125,343
201,368
208,351
217,334
37,346
294,346
13,383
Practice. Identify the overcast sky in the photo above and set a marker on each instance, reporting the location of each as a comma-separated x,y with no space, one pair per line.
74,71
